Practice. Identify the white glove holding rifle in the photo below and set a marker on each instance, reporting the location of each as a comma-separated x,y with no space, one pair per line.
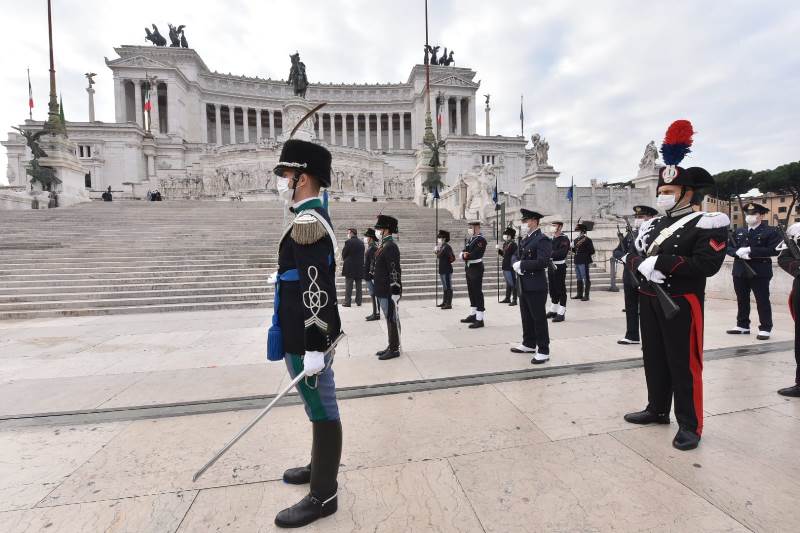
313,363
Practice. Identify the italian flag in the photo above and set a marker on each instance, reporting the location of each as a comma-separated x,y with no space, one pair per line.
147,104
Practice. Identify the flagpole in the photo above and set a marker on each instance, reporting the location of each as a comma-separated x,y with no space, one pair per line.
30,96
521,117
571,211
436,262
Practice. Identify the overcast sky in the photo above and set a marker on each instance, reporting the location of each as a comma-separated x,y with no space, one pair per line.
600,79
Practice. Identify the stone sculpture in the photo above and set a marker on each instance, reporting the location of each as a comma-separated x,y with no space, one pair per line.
175,35
648,161
539,151
155,37
479,192
297,76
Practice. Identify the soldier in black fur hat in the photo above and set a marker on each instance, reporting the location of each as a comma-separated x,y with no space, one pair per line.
557,273
507,251
388,282
445,258
583,248
306,322
472,254
371,244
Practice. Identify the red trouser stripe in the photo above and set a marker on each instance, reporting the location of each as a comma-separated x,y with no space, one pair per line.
791,305
696,357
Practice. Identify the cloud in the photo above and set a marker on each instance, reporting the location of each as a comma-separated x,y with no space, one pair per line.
599,79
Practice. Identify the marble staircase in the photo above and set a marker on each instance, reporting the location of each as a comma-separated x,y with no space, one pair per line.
134,257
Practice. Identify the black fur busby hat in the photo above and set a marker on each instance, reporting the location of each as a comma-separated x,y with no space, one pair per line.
370,233
644,210
386,222
511,232
586,225
443,235
306,157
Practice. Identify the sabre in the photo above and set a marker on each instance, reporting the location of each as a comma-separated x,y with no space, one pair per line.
262,414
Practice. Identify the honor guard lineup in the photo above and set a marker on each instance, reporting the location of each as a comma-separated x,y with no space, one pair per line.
666,258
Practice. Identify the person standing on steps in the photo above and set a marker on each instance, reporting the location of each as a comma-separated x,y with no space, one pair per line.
755,246
474,248
445,258
507,251
306,322
583,248
388,283
371,244
641,214
792,267
530,262
557,273
678,252
353,268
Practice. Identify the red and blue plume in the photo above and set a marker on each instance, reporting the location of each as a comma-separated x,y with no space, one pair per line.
677,142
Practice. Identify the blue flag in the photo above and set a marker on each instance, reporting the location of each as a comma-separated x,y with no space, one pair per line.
494,192
325,199
570,193
436,193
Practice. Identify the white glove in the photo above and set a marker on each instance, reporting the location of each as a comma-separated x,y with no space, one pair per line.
313,363
648,270
498,246
517,267
436,249
743,253
273,279
624,259
396,298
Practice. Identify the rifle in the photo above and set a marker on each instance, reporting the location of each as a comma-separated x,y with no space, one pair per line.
791,244
668,305
749,273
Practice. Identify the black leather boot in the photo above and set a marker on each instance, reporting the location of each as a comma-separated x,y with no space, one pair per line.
321,501
298,476
792,392
579,296
506,300
586,291
376,314
513,297
647,417
685,440
448,299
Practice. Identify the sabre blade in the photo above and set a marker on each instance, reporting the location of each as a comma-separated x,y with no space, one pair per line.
262,414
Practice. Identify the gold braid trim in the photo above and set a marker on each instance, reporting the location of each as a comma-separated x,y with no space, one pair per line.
306,229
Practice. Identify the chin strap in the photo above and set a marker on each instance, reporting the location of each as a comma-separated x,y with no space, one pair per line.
678,209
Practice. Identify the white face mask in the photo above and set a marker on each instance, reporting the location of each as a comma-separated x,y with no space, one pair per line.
637,223
284,191
440,241
553,230
506,237
666,201
379,233
470,232
366,241
751,220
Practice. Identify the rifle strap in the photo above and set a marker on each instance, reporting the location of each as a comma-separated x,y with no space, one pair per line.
667,232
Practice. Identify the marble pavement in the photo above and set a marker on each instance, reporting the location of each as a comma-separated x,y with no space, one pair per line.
547,454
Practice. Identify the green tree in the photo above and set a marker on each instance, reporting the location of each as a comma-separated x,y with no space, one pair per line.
781,180
733,184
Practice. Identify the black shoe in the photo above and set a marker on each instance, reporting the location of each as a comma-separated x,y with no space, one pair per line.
469,320
646,417
380,353
372,318
389,354
298,476
550,314
345,305
306,511
685,440
559,318
513,303
585,298
477,324
793,391
626,341
446,306
737,331
505,301
542,356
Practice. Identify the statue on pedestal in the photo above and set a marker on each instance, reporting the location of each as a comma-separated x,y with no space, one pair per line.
155,37
538,153
648,161
479,192
297,76
175,35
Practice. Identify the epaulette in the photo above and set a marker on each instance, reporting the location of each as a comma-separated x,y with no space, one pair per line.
306,229
713,221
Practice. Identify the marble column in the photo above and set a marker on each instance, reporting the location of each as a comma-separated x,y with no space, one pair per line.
344,129
155,123
137,87
367,132
459,131
218,118
204,116
356,142
402,131
172,108
90,92
232,123
246,124
379,131
271,123
390,116
258,125
119,100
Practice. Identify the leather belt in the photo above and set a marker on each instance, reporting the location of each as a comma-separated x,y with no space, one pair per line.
474,261
562,262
